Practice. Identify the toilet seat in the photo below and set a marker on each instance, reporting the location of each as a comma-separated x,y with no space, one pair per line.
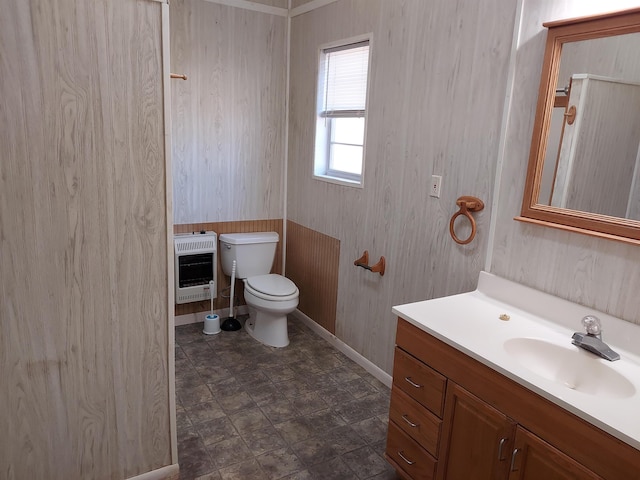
272,287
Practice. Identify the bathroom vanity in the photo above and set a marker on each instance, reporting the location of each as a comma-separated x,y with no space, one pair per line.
489,389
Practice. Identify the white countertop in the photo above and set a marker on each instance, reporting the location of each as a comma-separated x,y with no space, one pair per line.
470,323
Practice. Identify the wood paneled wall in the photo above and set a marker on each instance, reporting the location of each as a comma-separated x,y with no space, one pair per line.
312,264
228,117
437,85
590,271
224,281
83,241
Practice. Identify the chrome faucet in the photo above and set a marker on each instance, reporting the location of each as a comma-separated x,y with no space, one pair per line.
592,339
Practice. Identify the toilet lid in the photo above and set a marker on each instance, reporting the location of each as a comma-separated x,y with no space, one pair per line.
272,284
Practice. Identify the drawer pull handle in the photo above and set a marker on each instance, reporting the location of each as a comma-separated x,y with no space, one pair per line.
500,447
513,460
413,384
409,462
411,424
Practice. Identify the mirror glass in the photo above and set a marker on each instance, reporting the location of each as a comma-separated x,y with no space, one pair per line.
584,168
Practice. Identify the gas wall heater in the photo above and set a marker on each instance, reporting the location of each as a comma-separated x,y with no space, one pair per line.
195,266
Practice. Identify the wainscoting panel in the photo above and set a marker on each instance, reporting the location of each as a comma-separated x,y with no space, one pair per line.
84,349
313,260
274,225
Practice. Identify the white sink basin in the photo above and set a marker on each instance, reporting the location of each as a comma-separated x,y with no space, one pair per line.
570,366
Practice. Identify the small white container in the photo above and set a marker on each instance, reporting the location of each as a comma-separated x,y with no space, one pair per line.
211,324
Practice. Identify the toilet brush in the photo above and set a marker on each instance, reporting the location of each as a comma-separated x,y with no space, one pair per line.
231,324
211,321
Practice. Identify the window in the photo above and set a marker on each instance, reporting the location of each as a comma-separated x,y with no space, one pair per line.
341,109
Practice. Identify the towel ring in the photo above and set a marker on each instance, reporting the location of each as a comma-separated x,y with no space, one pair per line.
467,205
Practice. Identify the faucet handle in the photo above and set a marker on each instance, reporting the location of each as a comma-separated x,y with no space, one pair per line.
592,325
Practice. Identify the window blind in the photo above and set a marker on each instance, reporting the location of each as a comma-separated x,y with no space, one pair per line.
345,81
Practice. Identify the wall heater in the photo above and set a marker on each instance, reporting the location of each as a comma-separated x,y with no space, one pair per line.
195,266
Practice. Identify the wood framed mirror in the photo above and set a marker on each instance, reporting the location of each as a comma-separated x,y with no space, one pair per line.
584,162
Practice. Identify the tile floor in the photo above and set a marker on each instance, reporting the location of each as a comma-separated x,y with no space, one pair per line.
246,411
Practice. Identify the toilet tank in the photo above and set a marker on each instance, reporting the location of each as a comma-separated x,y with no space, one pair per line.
253,252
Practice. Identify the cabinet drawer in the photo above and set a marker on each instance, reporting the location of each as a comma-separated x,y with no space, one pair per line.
417,463
415,420
420,382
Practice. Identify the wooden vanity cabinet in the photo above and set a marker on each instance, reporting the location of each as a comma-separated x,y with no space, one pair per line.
477,439
454,418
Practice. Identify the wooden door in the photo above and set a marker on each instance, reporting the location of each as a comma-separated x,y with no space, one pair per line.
533,459
477,438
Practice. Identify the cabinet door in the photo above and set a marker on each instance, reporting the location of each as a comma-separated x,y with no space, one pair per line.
533,459
477,439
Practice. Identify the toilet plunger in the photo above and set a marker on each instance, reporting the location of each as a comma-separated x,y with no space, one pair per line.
231,324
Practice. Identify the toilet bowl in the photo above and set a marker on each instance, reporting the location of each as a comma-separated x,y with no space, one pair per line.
270,297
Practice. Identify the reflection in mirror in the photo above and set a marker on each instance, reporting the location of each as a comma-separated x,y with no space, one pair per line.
584,167
590,164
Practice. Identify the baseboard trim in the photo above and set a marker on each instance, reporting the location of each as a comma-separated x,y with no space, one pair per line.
190,318
369,366
170,472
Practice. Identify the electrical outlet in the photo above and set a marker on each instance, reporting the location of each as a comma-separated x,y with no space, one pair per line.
436,180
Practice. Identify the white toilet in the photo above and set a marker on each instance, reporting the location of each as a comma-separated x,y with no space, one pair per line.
270,297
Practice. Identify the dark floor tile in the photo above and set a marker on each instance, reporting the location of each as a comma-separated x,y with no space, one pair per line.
360,388
364,462
335,394
189,396
229,452
264,394
216,430
302,475
208,476
213,373
363,408
334,469
309,403
295,388
182,419
295,430
247,470
344,439
279,411
204,412
236,402
225,387
264,440
372,430
314,450
194,459
279,463
323,421
249,419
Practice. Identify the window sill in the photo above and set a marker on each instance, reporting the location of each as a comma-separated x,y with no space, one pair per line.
338,181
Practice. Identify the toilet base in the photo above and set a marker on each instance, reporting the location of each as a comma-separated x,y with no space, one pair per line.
268,328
